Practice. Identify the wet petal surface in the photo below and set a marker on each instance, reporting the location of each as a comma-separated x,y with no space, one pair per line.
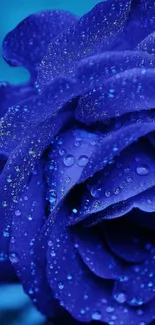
129,91
27,43
92,34
27,221
10,95
96,256
65,283
130,174
138,283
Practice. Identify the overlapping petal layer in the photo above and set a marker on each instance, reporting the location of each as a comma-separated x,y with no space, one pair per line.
131,173
27,43
96,102
93,33
66,281
11,95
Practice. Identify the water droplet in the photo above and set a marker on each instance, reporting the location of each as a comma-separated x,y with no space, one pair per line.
9,180
143,70
129,179
110,309
116,191
107,193
96,315
60,285
5,233
49,243
4,204
61,152
69,160
12,240
69,277
77,143
75,211
93,142
13,258
120,297
142,170
17,213
96,192
52,199
82,311
150,284
53,254
83,160
29,217
115,149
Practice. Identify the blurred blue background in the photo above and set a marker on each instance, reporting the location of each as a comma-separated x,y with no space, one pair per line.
13,11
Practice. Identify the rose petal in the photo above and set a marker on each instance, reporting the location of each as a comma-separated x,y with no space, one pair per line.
145,202
66,274
129,91
7,273
126,240
89,74
141,21
147,44
10,95
92,34
68,157
27,221
138,283
20,165
130,174
27,43
96,256
33,111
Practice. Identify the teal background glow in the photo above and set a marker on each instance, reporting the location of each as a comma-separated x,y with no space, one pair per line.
13,11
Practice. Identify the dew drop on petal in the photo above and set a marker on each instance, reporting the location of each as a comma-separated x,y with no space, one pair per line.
69,277
9,180
115,149
83,160
120,297
82,311
107,193
4,204
60,285
142,170
17,213
96,192
69,160
75,211
53,254
61,152
13,258
110,309
96,315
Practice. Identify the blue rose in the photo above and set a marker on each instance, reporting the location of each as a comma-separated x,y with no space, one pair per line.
78,170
